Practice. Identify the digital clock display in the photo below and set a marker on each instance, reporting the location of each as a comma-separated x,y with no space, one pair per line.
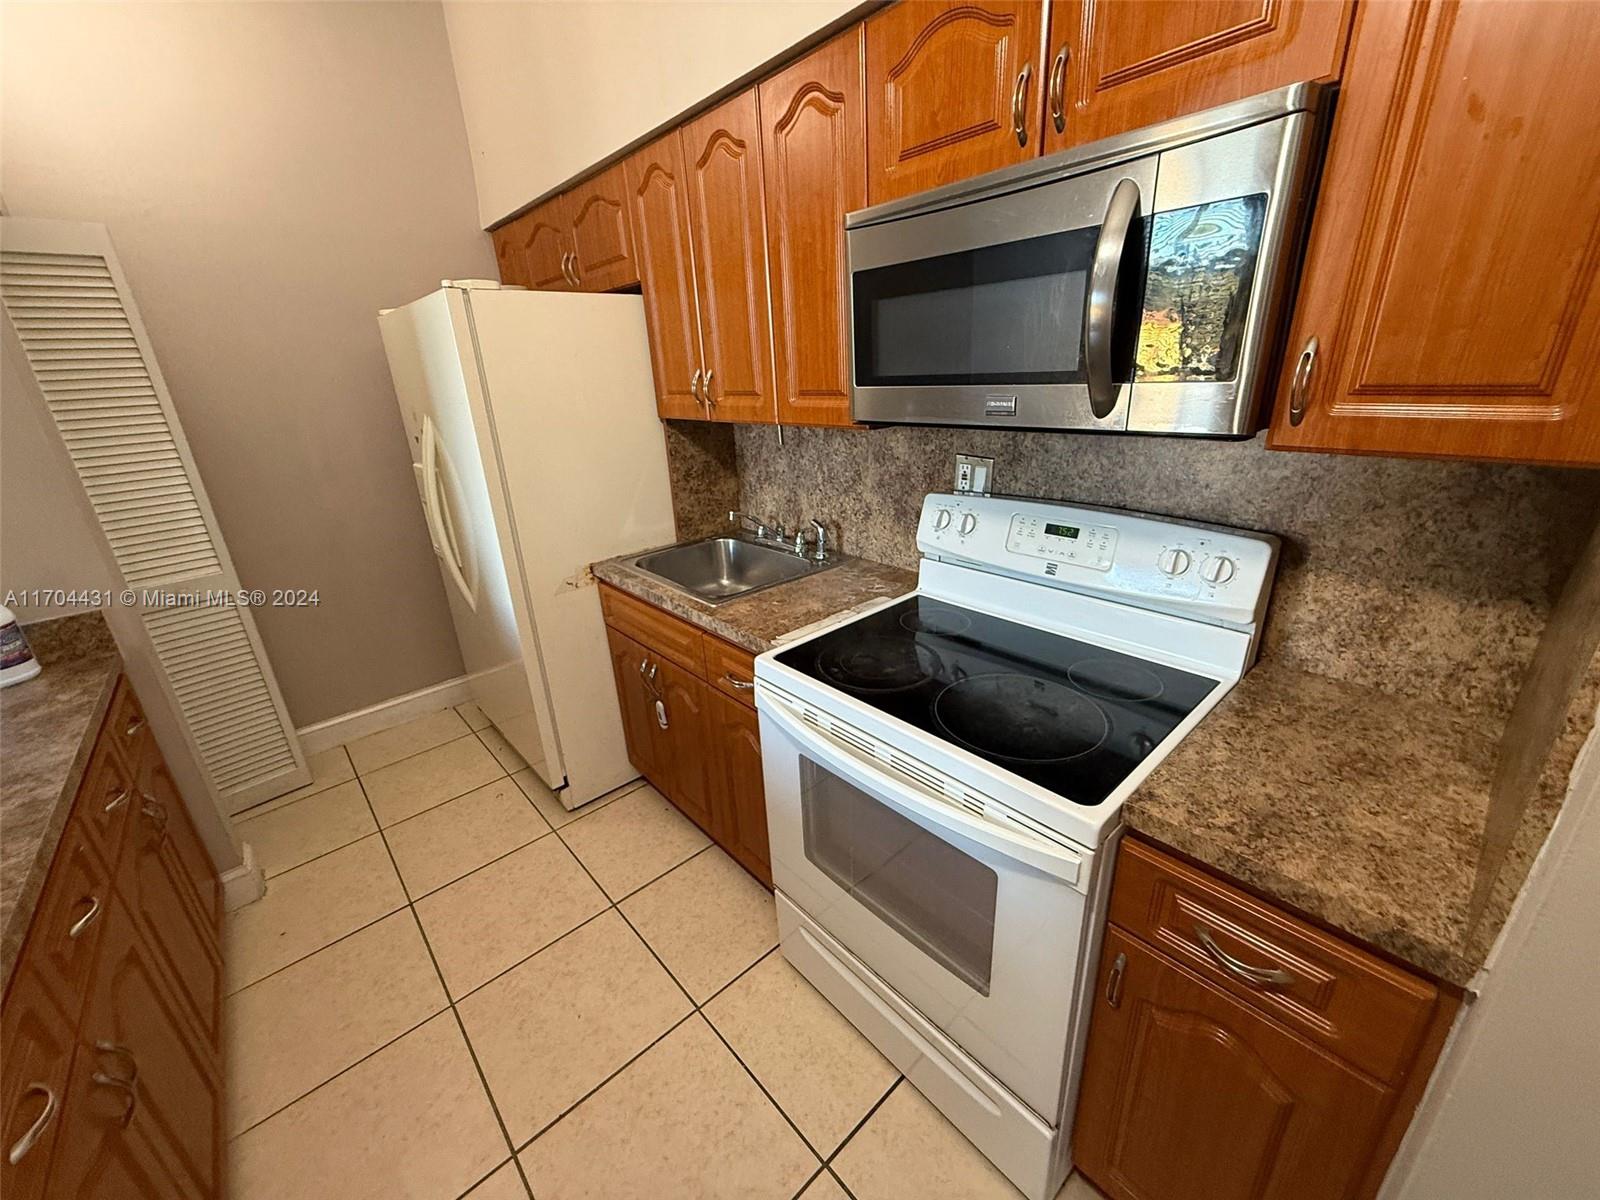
1061,531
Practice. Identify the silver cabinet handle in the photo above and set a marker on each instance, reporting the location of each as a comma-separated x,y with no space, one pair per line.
711,401
1058,89
1254,976
130,1096
572,268
88,918
123,1053
1114,981
152,809
30,1139
566,266
1019,104
694,387
738,683
1300,387
134,726
118,800
1100,304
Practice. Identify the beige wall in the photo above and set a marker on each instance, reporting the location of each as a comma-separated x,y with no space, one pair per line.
272,175
548,89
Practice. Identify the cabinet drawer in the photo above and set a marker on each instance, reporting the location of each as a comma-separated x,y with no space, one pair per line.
125,724
731,671
108,796
66,926
654,629
1366,1011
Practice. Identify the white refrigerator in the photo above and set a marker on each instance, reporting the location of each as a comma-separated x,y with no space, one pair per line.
532,423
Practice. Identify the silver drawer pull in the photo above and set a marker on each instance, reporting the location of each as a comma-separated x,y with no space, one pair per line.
153,810
130,1097
738,683
87,919
1114,982
123,1053
1254,976
120,799
134,726
30,1139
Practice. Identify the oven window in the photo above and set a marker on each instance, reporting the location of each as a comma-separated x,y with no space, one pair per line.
1202,267
939,898
1006,314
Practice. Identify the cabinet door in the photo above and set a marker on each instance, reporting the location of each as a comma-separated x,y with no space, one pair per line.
36,1041
1189,1095
1118,65
508,254
159,1137
741,797
953,90
682,747
814,158
638,707
153,881
659,215
602,244
722,151
546,247
1450,303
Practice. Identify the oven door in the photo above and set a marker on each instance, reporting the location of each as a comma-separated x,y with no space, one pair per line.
977,922
1018,310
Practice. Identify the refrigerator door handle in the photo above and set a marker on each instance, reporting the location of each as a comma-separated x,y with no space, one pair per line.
439,525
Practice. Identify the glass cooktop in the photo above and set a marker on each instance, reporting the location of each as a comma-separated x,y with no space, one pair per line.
1069,716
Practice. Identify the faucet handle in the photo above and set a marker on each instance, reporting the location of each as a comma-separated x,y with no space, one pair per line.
820,553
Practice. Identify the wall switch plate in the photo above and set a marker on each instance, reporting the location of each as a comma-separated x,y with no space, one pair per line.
974,474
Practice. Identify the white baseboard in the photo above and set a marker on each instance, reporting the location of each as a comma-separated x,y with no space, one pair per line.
385,715
245,884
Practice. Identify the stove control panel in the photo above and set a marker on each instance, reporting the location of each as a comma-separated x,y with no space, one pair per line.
1215,574
1092,546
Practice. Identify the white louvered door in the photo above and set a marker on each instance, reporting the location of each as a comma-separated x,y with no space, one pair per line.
76,323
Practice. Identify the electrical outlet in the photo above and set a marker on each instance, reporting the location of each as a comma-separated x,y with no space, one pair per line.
974,474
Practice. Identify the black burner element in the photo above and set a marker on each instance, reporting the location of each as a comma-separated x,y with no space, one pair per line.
1069,716
1020,718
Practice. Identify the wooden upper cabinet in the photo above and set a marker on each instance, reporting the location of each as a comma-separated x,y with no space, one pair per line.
1189,1095
814,158
545,247
602,243
659,216
722,151
1450,301
508,254
953,90
1119,65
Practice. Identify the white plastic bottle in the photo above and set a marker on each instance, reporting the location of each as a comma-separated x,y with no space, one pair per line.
16,659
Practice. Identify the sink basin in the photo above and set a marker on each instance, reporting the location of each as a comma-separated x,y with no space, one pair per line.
721,568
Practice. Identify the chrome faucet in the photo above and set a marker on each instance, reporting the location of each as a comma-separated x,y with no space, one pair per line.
760,528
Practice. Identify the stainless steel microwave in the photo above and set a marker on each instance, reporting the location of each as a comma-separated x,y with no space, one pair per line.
1140,284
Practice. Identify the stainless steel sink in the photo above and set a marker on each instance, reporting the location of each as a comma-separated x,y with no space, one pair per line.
722,568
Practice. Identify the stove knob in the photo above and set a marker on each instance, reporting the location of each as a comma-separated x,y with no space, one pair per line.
941,520
968,523
1217,569
1174,562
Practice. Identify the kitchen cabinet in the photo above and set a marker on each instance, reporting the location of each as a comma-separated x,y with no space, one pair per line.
1450,300
601,235
953,90
507,254
722,154
814,164
110,1034
1124,64
1237,1051
545,246
659,214
702,748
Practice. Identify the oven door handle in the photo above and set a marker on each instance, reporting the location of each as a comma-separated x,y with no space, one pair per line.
922,804
1100,300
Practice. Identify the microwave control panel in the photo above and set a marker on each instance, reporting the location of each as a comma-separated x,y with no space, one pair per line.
1092,546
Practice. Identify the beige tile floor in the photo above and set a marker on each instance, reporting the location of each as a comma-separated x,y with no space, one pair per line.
455,988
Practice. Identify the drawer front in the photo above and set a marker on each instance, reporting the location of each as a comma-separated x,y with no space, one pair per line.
1366,1011
731,671
125,725
654,629
67,923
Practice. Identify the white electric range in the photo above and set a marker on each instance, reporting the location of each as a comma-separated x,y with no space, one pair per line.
944,774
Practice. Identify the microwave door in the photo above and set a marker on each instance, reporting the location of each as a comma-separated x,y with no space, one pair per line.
1019,310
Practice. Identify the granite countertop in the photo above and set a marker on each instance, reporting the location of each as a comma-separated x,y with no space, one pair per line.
1363,809
759,621
47,730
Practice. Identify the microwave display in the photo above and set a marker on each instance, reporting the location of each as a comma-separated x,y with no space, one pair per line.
1202,264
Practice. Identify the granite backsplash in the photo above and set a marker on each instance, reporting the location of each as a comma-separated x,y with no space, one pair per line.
1431,579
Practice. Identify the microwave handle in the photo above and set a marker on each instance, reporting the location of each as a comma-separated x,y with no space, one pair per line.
1099,307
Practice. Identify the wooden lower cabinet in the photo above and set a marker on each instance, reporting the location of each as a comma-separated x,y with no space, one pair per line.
110,1037
693,734
1196,1091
